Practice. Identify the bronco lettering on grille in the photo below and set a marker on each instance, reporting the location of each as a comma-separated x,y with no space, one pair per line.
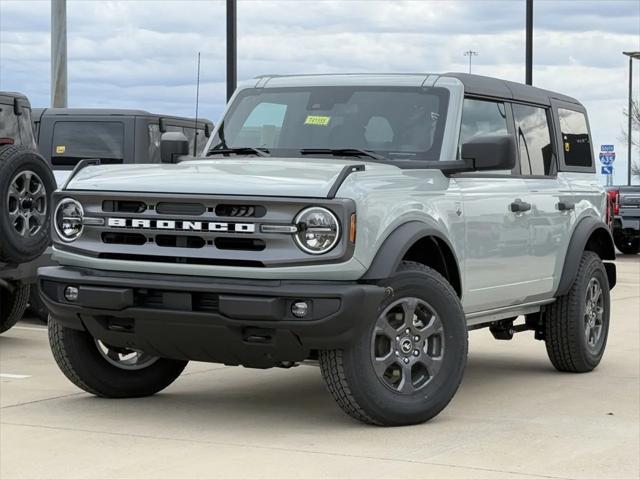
181,225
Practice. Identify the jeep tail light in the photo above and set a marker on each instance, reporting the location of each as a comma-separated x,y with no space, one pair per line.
6,141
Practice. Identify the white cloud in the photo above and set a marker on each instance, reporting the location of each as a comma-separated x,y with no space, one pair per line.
141,54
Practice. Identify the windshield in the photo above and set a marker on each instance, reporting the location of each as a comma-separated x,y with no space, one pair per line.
395,122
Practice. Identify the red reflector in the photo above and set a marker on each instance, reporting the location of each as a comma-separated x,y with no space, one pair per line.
6,141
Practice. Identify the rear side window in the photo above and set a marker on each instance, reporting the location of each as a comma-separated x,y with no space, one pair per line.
575,138
534,140
74,141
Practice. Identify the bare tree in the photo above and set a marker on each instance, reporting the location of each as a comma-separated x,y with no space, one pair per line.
635,129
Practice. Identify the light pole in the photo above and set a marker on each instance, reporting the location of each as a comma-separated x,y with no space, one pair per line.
529,44
232,47
631,56
59,53
470,53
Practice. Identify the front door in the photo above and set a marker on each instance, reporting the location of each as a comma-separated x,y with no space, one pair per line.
497,221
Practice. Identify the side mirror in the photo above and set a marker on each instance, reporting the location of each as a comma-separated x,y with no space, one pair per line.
172,146
490,152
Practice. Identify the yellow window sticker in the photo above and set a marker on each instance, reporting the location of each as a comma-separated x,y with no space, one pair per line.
317,120
61,149
567,147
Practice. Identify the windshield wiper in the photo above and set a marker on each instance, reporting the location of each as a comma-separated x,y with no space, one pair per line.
261,152
343,152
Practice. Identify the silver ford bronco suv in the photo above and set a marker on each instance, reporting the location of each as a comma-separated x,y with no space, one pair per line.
363,222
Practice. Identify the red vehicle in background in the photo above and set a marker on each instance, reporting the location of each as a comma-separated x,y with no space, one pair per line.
624,217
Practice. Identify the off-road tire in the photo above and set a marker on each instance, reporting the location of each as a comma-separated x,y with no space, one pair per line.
78,357
12,305
627,245
15,248
564,321
37,306
349,372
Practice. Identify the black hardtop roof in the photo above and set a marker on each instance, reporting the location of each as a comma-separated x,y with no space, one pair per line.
120,112
8,98
495,87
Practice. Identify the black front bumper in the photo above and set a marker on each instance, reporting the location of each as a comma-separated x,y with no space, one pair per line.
231,321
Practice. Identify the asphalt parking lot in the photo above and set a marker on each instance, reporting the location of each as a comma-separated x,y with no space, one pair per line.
514,417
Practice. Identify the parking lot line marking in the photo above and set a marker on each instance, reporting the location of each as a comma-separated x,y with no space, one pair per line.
13,375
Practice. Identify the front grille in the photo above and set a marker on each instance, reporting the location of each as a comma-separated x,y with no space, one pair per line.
200,229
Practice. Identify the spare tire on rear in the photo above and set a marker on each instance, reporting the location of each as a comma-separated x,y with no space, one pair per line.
26,185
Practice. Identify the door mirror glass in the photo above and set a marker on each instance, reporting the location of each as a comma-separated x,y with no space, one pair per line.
490,152
172,146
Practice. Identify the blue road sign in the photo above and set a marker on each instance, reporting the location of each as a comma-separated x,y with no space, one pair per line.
607,148
607,158
606,170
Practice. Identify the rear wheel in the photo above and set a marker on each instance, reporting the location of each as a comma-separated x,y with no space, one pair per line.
577,324
408,365
108,371
13,302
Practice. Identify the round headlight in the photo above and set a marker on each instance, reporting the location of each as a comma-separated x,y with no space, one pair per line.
68,219
318,230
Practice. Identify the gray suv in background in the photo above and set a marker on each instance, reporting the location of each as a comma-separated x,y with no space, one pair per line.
114,136
364,222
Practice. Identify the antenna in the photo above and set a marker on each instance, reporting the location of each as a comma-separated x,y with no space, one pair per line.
195,137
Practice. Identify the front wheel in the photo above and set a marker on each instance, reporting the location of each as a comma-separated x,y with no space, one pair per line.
108,371
407,365
577,324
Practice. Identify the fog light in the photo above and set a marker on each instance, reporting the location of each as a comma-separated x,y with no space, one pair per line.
71,294
300,309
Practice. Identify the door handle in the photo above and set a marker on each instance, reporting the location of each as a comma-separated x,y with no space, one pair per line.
518,206
564,206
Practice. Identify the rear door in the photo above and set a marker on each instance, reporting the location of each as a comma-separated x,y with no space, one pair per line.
552,204
497,239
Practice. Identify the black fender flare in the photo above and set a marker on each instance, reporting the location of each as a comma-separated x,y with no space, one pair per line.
577,245
396,245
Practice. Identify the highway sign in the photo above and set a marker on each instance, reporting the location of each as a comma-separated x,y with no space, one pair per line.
607,158
607,148
606,170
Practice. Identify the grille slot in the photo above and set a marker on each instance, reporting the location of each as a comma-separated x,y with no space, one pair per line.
200,301
231,243
230,210
175,208
123,206
206,302
120,238
180,241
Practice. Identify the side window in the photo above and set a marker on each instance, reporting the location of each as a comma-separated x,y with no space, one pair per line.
262,126
73,141
534,140
482,117
575,138
154,143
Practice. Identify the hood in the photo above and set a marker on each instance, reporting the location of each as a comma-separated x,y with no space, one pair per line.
288,177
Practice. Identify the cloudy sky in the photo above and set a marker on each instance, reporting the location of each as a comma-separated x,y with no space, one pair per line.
142,54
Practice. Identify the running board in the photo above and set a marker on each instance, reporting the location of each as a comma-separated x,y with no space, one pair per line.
495,314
